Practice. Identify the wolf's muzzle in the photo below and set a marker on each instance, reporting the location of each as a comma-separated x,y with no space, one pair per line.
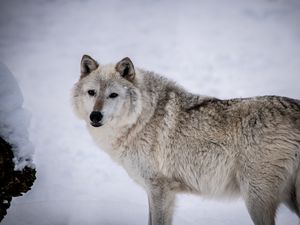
95,118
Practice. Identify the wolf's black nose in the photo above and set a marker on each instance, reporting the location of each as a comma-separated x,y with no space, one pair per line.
96,116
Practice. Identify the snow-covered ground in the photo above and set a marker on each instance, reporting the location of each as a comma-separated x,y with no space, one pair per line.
14,120
232,48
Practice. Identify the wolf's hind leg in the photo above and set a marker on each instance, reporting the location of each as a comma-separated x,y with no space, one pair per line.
261,208
296,199
291,202
261,198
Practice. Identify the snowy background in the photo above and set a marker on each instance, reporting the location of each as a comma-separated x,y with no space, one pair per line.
233,48
14,120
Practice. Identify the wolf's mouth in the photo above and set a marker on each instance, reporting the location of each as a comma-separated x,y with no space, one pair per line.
96,124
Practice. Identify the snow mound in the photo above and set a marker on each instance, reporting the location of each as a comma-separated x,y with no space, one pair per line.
14,120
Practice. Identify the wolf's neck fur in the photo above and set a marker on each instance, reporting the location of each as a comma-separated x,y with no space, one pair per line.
158,94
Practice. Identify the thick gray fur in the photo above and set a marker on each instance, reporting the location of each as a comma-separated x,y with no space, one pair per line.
171,141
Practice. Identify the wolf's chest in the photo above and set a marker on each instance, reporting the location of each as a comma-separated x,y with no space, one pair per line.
131,157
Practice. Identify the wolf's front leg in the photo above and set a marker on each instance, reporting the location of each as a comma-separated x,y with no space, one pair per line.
161,201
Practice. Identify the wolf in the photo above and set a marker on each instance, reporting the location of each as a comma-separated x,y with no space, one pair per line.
172,141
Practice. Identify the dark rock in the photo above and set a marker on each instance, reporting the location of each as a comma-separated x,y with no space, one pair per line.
12,183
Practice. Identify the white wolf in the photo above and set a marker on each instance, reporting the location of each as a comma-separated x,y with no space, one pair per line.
170,141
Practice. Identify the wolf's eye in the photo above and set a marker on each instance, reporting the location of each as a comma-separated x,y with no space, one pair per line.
113,95
91,92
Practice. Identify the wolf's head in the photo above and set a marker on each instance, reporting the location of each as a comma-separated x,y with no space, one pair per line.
107,94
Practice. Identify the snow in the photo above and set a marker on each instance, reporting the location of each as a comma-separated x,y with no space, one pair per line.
14,120
221,48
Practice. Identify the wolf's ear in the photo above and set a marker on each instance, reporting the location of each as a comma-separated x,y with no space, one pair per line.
88,64
126,69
